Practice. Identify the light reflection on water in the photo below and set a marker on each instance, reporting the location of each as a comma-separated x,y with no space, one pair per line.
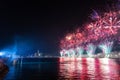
89,69
67,69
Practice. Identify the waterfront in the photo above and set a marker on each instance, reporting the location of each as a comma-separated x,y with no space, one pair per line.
66,69
3,69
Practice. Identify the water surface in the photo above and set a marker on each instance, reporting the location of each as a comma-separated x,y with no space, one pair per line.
66,69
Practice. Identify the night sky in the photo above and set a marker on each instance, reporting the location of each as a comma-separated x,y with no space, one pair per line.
34,25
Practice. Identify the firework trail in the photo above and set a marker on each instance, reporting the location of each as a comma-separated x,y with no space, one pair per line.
106,47
79,51
90,49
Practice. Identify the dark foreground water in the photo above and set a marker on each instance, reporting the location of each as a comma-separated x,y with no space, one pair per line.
65,69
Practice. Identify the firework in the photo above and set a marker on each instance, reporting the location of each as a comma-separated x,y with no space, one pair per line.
103,30
90,49
72,53
106,47
79,51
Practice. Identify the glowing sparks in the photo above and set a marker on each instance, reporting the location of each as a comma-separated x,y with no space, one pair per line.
90,50
104,29
106,47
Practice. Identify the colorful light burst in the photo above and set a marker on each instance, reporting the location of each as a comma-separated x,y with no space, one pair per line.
72,53
106,47
90,49
79,51
103,30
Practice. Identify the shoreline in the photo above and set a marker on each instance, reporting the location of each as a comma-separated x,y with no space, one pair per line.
3,69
